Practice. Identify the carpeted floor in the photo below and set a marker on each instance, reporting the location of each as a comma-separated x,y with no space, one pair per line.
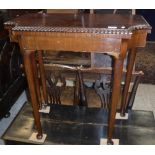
145,61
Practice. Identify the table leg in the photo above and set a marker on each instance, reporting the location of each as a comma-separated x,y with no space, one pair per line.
133,92
28,59
42,76
118,67
116,89
130,64
37,82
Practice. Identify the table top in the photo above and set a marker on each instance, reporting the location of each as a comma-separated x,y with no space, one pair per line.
92,23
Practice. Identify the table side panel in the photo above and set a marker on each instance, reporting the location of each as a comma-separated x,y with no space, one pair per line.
138,38
67,42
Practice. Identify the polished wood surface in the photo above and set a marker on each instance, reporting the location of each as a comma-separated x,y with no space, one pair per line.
116,89
28,58
110,34
82,21
131,60
42,76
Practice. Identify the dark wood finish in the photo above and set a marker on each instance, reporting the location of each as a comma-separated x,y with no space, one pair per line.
82,93
132,95
103,90
101,21
108,34
28,59
37,79
116,89
131,60
42,76
101,77
13,13
54,90
76,91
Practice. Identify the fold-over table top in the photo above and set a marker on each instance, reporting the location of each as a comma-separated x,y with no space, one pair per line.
85,23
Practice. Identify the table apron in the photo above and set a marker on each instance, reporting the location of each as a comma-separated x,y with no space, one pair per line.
82,44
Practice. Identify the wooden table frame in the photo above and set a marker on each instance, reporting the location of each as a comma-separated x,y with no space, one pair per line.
114,42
